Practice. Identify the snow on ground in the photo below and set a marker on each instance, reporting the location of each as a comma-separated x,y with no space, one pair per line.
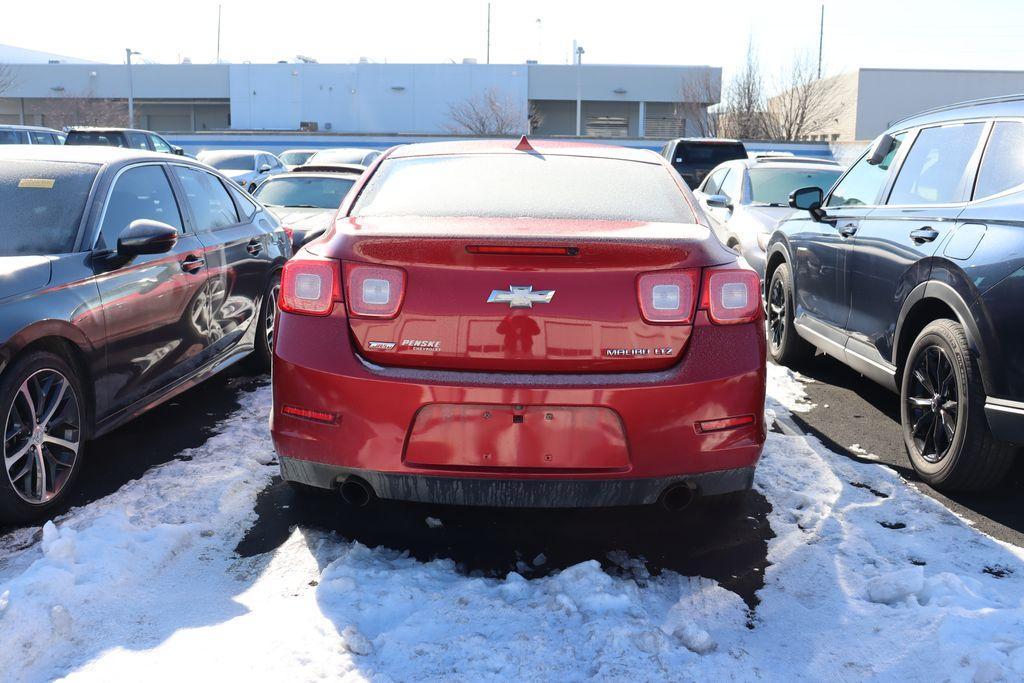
868,579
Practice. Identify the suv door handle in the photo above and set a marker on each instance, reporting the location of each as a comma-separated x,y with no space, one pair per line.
925,234
848,230
193,264
255,246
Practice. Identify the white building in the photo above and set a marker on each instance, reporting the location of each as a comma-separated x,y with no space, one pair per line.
366,98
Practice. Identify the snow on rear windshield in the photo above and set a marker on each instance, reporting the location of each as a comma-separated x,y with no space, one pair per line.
524,186
42,202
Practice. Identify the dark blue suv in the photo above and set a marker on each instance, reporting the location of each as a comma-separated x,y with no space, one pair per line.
911,271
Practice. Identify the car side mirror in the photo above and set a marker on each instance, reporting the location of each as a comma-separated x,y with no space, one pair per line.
808,199
880,149
145,236
264,168
719,201
177,150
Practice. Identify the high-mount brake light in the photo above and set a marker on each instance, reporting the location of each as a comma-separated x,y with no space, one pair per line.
374,291
668,296
310,285
522,251
731,296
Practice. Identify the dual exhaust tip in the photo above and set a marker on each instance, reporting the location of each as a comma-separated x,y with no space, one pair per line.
358,493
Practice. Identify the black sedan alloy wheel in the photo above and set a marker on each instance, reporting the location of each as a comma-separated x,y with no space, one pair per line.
42,436
776,312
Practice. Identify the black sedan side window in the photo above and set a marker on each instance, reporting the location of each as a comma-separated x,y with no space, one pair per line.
140,192
212,207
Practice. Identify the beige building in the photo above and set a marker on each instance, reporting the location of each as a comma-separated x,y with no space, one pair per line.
870,100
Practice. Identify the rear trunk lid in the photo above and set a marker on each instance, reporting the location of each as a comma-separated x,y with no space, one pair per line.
559,296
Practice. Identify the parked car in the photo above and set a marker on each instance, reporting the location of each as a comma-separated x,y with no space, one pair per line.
144,140
30,135
305,202
247,167
746,198
295,157
129,277
344,155
695,157
534,325
910,271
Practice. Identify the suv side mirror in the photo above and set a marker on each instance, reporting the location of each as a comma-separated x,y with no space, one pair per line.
145,236
264,168
880,149
719,201
808,199
177,150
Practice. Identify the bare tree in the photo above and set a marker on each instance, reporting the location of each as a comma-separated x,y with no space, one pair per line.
805,103
742,112
83,110
7,80
489,113
691,114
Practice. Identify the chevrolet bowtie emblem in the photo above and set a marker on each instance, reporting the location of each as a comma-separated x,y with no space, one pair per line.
521,297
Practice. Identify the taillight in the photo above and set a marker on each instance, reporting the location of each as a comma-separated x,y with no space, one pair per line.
668,296
731,295
374,291
310,285
290,232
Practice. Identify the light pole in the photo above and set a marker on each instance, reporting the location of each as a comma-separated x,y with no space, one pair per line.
128,52
577,51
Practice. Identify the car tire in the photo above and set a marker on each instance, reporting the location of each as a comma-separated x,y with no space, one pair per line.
45,415
942,412
263,356
785,346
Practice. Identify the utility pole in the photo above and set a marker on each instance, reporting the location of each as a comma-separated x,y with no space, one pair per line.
218,34
128,52
821,37
488,33
577,52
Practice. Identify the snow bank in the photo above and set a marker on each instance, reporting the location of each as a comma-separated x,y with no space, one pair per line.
868,579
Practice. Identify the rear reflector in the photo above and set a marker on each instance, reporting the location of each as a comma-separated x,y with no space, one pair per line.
310,414
310,286
668,296
524,251
724,423
731,296
374,291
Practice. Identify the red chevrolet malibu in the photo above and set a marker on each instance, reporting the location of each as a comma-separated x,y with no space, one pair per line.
524,325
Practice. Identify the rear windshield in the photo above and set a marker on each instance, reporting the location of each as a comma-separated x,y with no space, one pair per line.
339,156
304,192
43,203
295,158
93,138
772,186
524,186
703,154
229,161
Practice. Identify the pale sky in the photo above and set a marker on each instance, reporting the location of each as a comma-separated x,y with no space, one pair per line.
986,34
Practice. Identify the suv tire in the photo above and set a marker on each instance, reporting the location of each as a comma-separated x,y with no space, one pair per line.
785,346
942,412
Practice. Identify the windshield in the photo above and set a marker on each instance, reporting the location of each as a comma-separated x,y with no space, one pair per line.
43,202
339,156
707,154
524,186
295,158
772,186
230,161
305,193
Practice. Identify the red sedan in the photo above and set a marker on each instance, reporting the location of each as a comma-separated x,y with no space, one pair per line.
522,325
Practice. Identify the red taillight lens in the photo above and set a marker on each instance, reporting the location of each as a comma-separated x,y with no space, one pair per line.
374,291
310,286
669,296
290,232
731,295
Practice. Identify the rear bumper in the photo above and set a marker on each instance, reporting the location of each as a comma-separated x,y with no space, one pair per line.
516,493
376,409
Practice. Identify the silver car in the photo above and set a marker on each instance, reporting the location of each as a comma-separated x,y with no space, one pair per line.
344,155
247,167
30,135
746,198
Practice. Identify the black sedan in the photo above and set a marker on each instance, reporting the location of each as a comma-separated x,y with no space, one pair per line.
128,278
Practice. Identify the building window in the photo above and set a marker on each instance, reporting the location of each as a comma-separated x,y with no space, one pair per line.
607,126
